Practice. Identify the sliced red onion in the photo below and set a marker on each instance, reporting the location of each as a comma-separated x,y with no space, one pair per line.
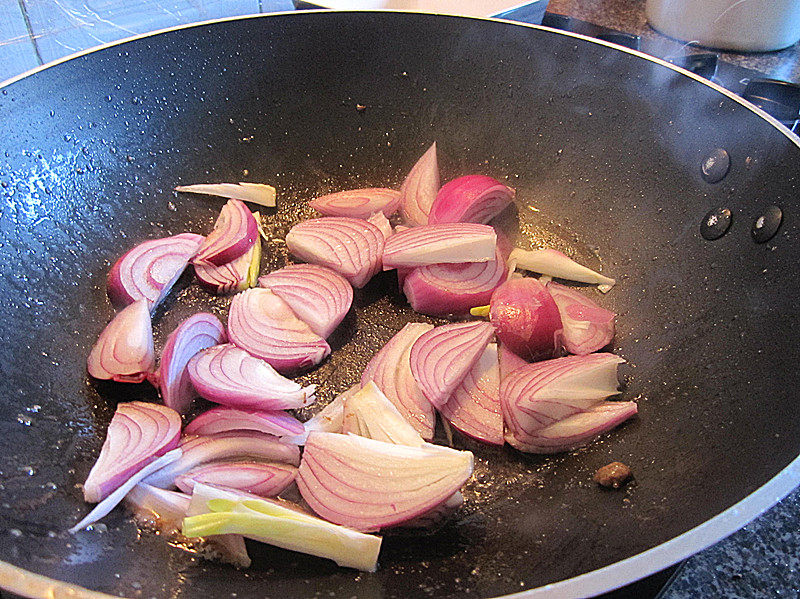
191,336
231,277
358,203
328,420
442,357
228,375
225,446
234,233
352,247
138,433
526,319
118,494
390,369
369,413
538,396
420,188
441,289
222,419
257,193
379,220
474,406
160,506
124,351
470,199
320,297
587,326
264,325
149,270
258,478
369,485
454,243
555,264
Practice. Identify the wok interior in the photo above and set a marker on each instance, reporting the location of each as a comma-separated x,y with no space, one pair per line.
604,145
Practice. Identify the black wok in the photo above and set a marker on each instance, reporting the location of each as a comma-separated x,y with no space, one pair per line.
605,143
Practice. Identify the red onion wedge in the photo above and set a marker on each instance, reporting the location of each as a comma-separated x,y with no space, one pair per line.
194,334
258,478
538,396
369,485
358,203
163,508
264,325
137,434
320,297
379,220
420,188
555,264
118,494
231,277
470,199
369,413
587,326
390,369
474,406
442,357
441,289
225,446
222,419
328,420
234,233
282,524
526,319
256,193
454,243
124,350
228,375
149,270
350,246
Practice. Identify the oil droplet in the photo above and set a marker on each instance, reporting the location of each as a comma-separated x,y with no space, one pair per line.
15,532
24,420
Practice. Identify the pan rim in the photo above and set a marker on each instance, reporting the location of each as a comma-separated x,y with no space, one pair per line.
29,584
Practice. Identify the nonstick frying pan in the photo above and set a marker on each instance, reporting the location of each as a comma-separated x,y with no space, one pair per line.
604,147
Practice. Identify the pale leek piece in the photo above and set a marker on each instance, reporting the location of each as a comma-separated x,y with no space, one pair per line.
555,264
257,193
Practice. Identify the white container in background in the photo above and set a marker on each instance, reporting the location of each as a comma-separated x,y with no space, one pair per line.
743,25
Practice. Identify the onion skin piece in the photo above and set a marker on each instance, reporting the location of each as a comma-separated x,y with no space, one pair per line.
442,357
228,375
368,413
258,478
419,189
319,296
508,360
231,277
470,199
454,243
138,433
234,233
380,221
231,445
329,419
386,484
587,326
124,351
556,264
194,334
474,406
222,419
257,193
149,270
441,289
390,369
358,203
264,325
164,508
276,523
569,391
526,319
438,515
350,246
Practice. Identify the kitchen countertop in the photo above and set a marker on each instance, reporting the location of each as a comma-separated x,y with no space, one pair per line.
761,560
